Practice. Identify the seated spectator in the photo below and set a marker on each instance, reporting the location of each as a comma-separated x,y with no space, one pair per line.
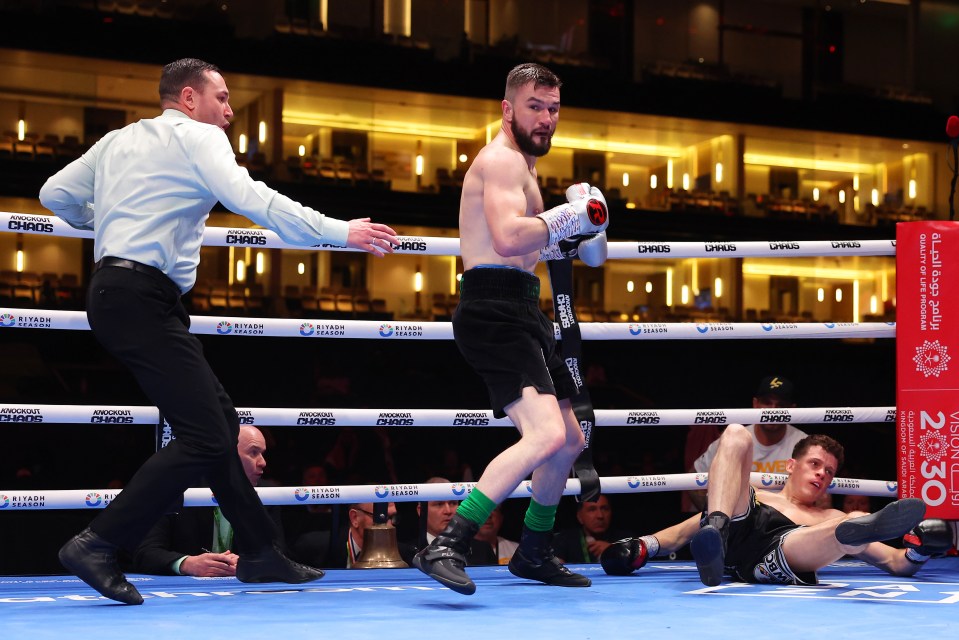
489,533
587,542
197,540
438,515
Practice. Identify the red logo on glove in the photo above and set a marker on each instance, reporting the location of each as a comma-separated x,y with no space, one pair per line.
596,211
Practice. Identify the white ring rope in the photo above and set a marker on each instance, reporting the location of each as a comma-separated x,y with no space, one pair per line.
13,318
279,417
306,495
420,245
276,327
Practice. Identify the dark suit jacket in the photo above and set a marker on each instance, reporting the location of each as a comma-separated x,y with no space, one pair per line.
186,533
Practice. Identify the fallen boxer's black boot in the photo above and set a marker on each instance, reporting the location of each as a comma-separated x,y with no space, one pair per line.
94,560
270,565
892,521
445,558
534,560
708,547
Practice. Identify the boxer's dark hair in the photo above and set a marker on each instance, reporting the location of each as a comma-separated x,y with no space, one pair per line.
817,439
523,74
186,72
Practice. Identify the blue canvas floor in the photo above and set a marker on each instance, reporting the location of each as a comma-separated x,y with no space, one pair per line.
663,600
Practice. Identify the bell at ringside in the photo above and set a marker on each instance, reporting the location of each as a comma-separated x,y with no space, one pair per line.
380,550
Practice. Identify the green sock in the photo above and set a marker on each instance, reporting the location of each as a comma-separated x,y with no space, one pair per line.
540,517
476,508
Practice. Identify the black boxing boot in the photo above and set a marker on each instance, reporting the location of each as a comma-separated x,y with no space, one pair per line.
445,558
534,560
270,565
94,560
708,547
892,521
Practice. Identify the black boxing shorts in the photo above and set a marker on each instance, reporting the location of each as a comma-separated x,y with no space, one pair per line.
509,342
754,550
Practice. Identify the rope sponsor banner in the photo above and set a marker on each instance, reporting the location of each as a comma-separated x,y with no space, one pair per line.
332,494
927,381
430,246
15,318
281,417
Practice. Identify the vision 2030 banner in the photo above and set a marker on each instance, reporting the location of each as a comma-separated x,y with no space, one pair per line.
927,364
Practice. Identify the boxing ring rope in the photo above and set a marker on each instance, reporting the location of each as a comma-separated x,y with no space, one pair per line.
225,325
419,245
286,417
360,329
332,494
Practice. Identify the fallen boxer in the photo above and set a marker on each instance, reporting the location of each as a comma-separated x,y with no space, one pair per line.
783,537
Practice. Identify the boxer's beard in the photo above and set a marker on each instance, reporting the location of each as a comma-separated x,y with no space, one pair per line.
526,143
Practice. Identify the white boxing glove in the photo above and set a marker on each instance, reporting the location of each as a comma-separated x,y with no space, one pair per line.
583,215
591,249
577,191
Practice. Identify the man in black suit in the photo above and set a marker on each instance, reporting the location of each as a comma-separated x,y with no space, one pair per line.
197,541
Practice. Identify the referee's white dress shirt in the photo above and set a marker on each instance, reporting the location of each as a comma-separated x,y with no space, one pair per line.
146,191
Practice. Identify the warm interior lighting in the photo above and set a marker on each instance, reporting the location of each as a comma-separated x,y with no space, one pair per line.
684,294
260,263
262,131
240,271
419,164
685,182
718,288
873,304
301,150
855,203
649,287
20,260
653,181
630,205
820,295
719,172
463,157
241,143
838,294
815,194
875,197
21,129
912,189
855,182
630,286
855,301
418,281
353,123
669,287
669,174
842,196
612,146
625,179
806,163
301,268
823,273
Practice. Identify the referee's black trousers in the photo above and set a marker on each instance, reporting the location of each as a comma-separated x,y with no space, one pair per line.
138,317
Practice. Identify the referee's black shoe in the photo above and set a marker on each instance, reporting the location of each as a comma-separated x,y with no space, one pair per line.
94,560
270,565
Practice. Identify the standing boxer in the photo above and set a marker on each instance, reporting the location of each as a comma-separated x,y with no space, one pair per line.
146,191
504,336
